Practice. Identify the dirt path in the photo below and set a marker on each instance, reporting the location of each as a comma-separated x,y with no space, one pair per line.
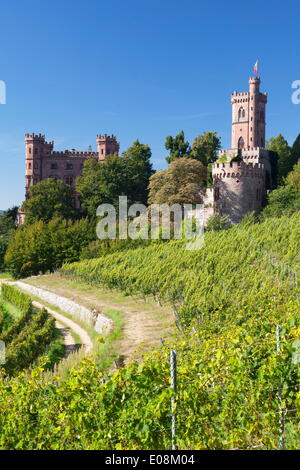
69,342
66,322
144,323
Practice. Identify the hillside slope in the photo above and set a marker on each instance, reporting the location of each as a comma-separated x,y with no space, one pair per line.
238,356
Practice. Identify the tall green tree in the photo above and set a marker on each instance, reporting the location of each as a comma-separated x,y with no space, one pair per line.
139,170
285,160
48,199
205,147
295,151
7,229
177,146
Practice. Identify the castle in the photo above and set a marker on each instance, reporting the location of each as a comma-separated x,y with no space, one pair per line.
242,175
42,162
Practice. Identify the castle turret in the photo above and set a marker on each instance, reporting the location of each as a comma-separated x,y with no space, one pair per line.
239,188
107,145
36,148
248,117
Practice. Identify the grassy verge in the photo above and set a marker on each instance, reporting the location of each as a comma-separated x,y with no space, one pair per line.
107,350
5,276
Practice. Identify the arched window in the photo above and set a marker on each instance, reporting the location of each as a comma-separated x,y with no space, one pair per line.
241,143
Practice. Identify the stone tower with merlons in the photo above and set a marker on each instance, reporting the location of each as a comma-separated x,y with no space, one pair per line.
242,175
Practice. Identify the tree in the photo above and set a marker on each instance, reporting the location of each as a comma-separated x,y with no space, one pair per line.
285,160
7,228
295,152
178,147
104,182
205,147
48,199
293,178
283,201
139,170
41,246
179,183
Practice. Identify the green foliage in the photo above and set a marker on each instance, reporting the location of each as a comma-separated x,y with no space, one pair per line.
40,247
295,151
293,178
5,317
7,228
193,278
282,201
177,146
138,167
179,183
205,147
103,182
28,336
15,296
233,293
217,222
285,160
98,248
49,199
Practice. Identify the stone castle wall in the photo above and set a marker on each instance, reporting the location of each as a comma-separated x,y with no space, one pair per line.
239,188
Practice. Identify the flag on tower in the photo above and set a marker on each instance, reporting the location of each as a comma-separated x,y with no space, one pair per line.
256,68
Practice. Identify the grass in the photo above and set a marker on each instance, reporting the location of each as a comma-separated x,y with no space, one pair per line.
5,276
107,351
13,311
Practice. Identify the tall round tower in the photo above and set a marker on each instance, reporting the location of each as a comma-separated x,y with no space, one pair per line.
239,188
248,117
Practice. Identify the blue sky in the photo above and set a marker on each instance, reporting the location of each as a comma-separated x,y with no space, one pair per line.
140,69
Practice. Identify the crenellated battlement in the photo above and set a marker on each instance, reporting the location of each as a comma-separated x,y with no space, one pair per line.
240,164
72,153
242,94
238,170
38,137
106,137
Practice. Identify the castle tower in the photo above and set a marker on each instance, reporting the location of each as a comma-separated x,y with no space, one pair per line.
239,188
107,145
248,117
35,150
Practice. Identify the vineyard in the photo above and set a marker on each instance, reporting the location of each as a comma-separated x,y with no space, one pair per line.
236,304
26,337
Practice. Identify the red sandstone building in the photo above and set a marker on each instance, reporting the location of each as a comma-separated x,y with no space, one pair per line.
42,162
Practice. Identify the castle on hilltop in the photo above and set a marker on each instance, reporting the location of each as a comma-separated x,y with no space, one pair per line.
42,162
242,175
